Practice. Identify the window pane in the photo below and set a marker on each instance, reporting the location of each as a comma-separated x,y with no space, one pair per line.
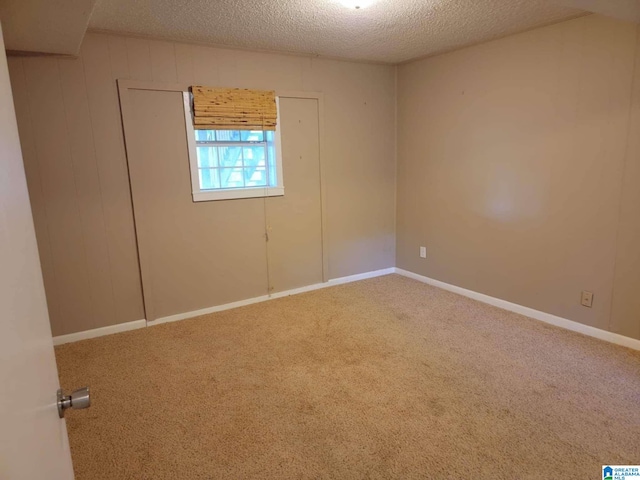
207,157
270,135
209,178
230,156
273,176
251,163
256,177
254,159
271,165
271,158
252,135
231,178
228,135
254,156
205,135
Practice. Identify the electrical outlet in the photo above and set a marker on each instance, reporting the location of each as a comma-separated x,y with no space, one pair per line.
423,252
587,299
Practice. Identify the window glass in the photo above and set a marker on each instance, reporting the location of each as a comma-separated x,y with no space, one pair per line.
272,171
207,157
256,178
252,135
209,178
231,178
205,135
227,135
236,158
230,156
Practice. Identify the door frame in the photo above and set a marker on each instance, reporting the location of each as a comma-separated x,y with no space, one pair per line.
124,86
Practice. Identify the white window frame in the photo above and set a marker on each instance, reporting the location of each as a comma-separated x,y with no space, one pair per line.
200,195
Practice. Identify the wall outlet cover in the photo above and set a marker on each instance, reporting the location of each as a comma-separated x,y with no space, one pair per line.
587,299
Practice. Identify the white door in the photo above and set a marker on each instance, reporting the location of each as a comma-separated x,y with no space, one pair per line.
33,440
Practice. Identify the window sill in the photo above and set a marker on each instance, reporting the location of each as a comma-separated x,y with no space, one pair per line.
235,193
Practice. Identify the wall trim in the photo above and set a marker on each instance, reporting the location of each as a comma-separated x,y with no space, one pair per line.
99,332
123,327
481,297
528,312
264,298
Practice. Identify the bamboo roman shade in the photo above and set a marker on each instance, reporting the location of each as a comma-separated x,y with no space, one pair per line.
233,109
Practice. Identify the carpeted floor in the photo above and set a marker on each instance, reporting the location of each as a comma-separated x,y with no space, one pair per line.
384,378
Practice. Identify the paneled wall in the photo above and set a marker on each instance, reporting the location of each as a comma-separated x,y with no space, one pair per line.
519,170
71,135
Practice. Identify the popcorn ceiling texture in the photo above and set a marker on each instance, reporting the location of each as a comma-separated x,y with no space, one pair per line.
389,31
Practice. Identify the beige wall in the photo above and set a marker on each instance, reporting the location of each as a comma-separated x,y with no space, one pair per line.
519,170
518,166
69,121
196,255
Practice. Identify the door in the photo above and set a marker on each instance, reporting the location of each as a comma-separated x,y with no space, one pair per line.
197,255
33,440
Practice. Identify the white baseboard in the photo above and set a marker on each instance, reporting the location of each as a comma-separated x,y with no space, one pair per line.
123,327
512,307
99,332
264,298
528,312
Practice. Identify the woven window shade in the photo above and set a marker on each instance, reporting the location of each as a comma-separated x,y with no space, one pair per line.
233,109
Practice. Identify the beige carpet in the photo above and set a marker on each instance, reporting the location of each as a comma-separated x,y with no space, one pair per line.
384,378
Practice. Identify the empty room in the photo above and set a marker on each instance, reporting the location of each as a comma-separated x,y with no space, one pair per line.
330,239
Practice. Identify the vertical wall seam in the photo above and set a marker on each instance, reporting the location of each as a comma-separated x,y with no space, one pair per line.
114,303
148,42
58,312
83,239
175,60
395,159
323,211
632,98
126,48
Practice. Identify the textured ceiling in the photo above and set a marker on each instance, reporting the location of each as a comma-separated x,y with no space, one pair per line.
389,31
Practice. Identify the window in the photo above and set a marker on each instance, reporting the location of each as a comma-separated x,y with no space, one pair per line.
228,164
